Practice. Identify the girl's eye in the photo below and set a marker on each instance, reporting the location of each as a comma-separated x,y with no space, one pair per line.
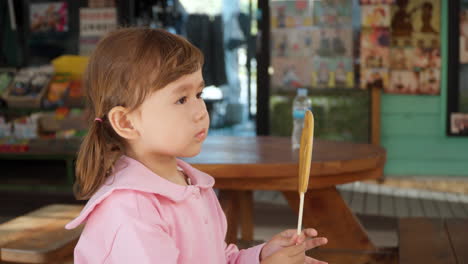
182,100
199,95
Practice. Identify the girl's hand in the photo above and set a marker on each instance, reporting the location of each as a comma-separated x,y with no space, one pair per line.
289,238
294,254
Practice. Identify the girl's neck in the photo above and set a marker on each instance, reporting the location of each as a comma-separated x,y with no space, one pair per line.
162,165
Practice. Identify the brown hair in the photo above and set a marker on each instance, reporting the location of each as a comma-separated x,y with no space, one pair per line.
126,66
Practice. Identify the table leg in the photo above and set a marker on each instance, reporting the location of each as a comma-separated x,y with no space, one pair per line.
229,201
326,211
246,214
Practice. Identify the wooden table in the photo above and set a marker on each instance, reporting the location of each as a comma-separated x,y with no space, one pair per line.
243,164
40,236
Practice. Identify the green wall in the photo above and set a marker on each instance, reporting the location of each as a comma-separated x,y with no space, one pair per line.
413,129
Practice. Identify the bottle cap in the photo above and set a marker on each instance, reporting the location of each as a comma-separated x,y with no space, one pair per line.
302,91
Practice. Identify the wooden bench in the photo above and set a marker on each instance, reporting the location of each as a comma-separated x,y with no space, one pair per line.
40,236
429,240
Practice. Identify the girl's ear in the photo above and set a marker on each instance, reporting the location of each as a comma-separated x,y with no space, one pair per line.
122,123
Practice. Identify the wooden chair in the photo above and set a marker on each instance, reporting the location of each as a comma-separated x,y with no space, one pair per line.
40,236
428,241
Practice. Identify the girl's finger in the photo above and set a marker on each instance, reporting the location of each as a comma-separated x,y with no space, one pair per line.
315,242
310,232
300,239
288,233
310,260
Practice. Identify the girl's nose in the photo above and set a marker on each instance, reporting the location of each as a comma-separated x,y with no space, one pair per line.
201,113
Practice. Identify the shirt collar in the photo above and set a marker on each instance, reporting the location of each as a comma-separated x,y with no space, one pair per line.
131,174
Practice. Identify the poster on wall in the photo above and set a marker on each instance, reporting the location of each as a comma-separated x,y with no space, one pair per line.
459,123
375,15
403,82
414,50
334,42
290,14
48,17
95,23
375,49
332,13
332,72
401,58
301,42
49,32
378,78
290,73
375,2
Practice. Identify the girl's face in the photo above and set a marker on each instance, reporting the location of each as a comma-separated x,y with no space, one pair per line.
174,121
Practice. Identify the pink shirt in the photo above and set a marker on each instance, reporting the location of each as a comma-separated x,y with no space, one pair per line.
140,217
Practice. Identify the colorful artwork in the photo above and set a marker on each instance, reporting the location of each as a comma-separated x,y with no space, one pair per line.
459,123
335,42
294,42
375,16
322,76
289,14
403,82
377,78
413,16
332,73
49,17
426,56
376,2
343,73
332,12
290,73
401,58
375,48
429,81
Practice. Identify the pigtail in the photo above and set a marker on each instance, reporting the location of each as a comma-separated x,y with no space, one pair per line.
98,152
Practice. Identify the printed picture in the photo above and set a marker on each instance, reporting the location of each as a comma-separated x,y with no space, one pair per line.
323,72
291,73
375,49
293,42
403,82
374,78
375,16
429,81
426,54
344,73
49,17
376,2
287,14
401,58
335,43
332,13
409,17
459,123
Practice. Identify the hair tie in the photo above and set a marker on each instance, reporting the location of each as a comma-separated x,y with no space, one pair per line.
98,119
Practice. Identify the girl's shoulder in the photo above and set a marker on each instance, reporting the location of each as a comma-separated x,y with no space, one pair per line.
119,206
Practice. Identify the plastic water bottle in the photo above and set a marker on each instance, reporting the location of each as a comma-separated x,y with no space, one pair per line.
301,104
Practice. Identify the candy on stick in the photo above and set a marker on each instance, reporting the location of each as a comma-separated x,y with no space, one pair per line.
305,158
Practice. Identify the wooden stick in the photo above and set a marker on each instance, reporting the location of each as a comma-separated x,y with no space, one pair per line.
305,158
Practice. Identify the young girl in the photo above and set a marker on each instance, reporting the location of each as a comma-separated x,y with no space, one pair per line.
145,206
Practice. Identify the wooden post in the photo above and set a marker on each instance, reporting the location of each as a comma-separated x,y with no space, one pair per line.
375,115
